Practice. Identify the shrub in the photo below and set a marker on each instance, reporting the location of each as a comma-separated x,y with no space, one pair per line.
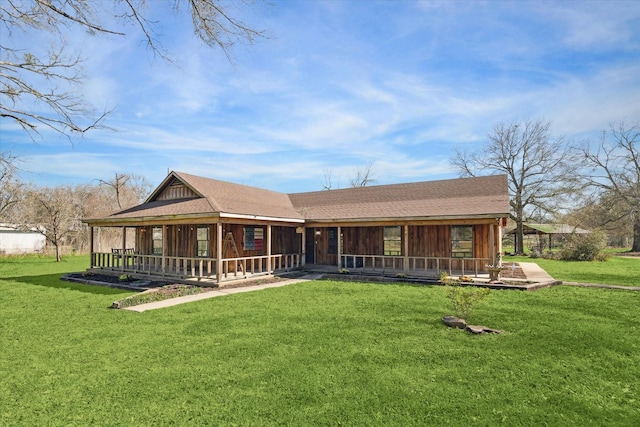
584,247
463,299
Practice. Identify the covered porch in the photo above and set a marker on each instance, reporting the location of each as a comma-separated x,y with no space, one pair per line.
208,253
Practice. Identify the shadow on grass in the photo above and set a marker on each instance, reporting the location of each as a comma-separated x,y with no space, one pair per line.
54,281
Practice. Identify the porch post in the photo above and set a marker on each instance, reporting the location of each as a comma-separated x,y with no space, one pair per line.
339,247
269,249
304,246
406,249
218,252
91,253
492,244
500,238
164,248
124,246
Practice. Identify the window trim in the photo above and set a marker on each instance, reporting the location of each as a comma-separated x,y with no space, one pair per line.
207,241
458,251
157,250
396,240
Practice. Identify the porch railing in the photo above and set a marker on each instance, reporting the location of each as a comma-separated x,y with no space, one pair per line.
264,264
199,268
415,265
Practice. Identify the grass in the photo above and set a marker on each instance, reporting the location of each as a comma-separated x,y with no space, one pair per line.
615,271
316,353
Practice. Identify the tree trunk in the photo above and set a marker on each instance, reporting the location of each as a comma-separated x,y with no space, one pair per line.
58,257
636,234
519,241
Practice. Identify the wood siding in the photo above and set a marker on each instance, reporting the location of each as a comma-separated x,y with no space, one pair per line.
362,240
433,241
176,190
322,254
181,240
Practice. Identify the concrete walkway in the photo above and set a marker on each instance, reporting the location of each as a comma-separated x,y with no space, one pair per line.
534,273
217,293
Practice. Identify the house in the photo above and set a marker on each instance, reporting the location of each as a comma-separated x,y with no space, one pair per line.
193,227
16,241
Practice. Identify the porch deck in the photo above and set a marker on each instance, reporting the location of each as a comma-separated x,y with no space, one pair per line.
193,269
414,266
231,269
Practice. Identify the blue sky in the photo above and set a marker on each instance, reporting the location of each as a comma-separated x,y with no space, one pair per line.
342,84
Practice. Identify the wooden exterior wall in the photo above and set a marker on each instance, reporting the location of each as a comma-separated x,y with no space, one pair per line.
423,241
362,240
181,240
429,240
317,246
285,240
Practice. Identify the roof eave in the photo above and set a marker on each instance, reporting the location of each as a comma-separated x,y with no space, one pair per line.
260,217
410,218
146,219
171,218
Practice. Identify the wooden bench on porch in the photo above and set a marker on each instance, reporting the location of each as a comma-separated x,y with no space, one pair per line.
118,252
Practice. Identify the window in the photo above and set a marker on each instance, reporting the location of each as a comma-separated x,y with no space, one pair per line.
392,241
462,241
253,238
202,237
332,234
156,244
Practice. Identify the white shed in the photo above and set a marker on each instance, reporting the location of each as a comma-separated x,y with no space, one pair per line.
18,242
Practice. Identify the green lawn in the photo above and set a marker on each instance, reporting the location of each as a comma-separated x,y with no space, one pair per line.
615,271
316,353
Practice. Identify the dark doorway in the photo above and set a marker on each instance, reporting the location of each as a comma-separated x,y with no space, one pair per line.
309,246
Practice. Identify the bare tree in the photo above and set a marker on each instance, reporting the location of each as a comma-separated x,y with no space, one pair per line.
603,211
129,190
52,212
118,184
327,183
10,187
614,173
539,169
363,176
41,90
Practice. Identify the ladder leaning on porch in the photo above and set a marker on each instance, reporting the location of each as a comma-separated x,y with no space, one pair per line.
230,242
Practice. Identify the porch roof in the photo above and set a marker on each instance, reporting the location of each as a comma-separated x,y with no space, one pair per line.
207,198
530,228
463,197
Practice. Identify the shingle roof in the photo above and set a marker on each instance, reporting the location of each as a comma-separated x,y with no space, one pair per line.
446,198
463,197
242,199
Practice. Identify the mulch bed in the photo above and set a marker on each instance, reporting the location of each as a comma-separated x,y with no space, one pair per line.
166,287
113,281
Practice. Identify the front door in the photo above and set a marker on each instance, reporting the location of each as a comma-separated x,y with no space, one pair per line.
309,246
